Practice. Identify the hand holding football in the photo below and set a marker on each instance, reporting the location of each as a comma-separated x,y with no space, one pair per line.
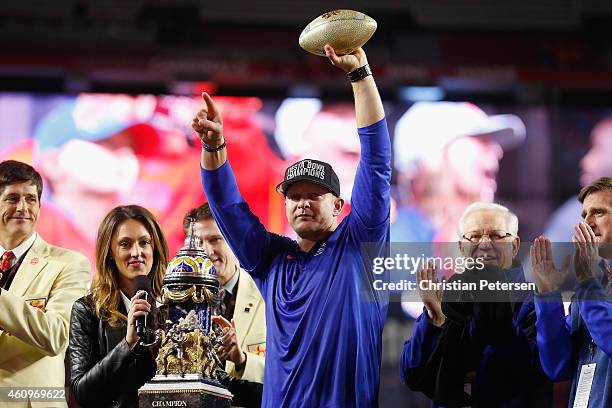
344,30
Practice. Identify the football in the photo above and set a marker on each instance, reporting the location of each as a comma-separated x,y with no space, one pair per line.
344,30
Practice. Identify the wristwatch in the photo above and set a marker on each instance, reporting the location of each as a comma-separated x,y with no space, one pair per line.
359,73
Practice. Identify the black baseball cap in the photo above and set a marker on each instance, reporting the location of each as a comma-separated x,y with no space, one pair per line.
315,171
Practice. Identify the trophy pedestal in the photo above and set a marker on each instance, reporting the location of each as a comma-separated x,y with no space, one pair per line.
189,391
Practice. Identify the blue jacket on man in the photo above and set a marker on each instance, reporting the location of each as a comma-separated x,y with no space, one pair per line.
567,343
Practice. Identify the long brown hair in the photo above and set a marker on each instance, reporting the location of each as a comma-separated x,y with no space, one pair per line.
105,285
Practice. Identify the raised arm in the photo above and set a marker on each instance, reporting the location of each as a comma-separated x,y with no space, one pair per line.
368,105
245,234
370,198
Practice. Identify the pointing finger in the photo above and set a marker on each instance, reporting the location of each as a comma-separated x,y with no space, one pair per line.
212,108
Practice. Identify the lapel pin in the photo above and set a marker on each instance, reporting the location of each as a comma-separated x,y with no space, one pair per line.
33,261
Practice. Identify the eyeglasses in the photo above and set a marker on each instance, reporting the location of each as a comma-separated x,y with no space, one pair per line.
494,236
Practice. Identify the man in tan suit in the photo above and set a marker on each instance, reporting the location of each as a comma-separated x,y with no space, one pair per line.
38,285
241,310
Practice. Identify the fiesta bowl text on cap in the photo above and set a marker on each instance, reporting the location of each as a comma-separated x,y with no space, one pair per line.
314,171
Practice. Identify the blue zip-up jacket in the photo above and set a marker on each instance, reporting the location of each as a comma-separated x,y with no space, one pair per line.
324,319
566,343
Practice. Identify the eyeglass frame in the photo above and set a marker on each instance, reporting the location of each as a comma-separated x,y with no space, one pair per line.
500,239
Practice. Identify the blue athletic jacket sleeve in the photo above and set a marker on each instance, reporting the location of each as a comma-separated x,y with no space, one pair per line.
245,234
418,348
554,336
596,312
372,181
557,354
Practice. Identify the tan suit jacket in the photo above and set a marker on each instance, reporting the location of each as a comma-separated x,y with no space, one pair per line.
250,319
35,316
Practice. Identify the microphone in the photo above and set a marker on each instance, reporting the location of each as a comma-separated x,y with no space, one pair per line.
142,283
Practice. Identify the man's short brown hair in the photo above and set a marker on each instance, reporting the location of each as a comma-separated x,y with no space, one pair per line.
198,214
13,171
601,184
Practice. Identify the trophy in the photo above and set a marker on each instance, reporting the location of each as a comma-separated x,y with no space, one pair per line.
187,361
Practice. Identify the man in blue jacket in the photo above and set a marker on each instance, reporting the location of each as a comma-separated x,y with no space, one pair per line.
579,346
478,348
324,319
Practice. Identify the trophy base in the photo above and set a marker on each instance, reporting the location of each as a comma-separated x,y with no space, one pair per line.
190,391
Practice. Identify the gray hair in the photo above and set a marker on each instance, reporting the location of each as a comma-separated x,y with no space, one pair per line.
511,218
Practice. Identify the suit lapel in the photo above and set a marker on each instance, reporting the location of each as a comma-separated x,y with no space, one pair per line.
247,303
32,265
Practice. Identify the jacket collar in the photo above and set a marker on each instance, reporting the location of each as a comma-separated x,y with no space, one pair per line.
32,265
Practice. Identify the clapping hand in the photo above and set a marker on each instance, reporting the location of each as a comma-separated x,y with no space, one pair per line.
229,347
431,297
585,251
548,277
